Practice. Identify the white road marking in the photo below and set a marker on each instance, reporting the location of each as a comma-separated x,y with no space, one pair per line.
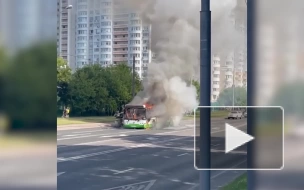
60,173
94,131
96,142
222,172
93,135
175,180
115,150
182,154
106,136
145,185
107,140
124,171
189,183
70,135
152,138
123,135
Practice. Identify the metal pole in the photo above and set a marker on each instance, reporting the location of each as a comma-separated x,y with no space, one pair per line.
133,77
205,93
250,90
233,75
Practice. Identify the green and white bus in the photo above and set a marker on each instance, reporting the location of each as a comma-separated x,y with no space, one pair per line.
136,117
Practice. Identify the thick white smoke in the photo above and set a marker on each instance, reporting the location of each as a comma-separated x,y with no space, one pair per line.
175,40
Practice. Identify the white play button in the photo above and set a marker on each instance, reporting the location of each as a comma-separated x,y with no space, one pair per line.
235,138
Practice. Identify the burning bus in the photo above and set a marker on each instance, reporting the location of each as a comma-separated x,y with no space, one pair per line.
137,116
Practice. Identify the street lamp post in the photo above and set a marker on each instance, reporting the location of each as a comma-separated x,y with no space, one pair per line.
233,79
205,93
133,77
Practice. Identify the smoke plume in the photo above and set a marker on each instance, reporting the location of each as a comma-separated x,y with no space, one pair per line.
175,40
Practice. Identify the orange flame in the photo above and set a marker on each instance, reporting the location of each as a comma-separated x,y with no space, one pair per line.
148,106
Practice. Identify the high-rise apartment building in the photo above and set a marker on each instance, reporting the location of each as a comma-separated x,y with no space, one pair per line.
215,78
233,71
109,33
66,31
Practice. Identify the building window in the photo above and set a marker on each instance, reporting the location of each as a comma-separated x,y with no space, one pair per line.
133,15
135,35
82,19
82,7
135,22
82,13
136,48
82,31
133,42
82,38
97,19
81,50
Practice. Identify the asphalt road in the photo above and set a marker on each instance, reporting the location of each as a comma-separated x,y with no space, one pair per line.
119,159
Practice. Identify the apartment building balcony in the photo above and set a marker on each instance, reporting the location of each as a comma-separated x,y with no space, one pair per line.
216,86
216,93
229,79
121,52
120,32
216,72
64,16
229,73
135,38
120,26
121,19
120,45
134,51
216,65
125,59
216,79
120,39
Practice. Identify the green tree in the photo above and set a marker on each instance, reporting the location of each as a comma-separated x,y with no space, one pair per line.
88,91
29,88
226,96
97,90
197,86
64,75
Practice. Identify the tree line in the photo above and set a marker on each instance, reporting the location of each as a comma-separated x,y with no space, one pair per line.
94,90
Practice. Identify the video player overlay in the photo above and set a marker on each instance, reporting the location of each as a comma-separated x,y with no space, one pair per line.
233,146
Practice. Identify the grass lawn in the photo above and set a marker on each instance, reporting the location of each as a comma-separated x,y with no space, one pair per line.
84,120
214,114
21,140
239,183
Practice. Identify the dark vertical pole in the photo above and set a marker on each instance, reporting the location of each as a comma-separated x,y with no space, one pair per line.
205,92
133,77
250,90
